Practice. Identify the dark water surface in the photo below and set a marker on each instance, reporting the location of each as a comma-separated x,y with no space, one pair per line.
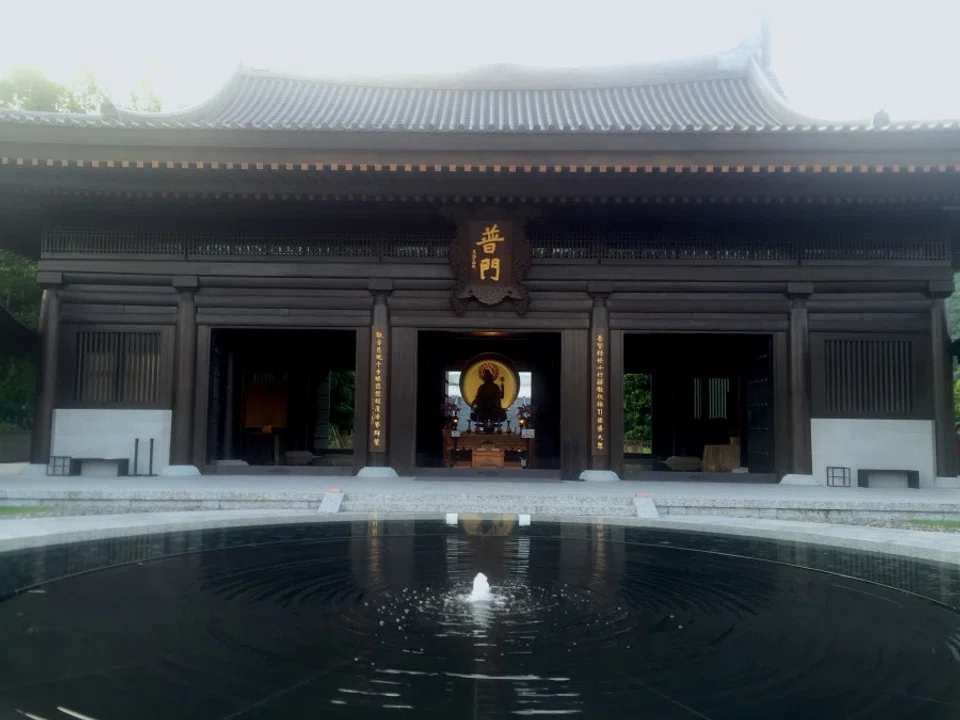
368,620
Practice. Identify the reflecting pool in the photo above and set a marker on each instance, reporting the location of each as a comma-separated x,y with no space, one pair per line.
373,619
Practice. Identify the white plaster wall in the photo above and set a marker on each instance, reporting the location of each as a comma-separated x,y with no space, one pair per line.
876,444
111,434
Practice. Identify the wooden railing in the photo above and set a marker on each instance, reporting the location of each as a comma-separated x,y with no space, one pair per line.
814,245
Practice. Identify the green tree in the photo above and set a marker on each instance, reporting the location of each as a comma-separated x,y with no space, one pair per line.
25,88
637,411
144,99
342,390
19,292
956,399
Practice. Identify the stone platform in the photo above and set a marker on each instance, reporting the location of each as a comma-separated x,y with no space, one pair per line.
409,495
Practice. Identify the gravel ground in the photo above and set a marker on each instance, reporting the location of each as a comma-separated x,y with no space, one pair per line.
6,512
906,525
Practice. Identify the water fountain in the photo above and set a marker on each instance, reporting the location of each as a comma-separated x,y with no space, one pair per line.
278,619
481,590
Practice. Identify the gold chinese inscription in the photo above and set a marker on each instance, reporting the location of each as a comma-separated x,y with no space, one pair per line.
378,416
488,264
600,394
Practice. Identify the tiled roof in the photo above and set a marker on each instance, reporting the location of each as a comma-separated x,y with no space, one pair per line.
729,92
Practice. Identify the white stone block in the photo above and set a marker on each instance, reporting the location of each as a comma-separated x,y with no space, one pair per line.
599,476
377,472
646,508
331,502
524,521
180,471
948,482
452,519
801,480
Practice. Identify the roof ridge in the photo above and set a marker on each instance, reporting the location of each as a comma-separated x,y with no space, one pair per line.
512,76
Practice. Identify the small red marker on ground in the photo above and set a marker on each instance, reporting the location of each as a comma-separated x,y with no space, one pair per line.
334,490
642,494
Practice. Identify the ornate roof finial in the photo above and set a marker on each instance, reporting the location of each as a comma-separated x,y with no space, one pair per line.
881,119
766,43
108,111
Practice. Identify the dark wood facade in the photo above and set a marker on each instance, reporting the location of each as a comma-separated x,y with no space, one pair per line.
834,250
852,314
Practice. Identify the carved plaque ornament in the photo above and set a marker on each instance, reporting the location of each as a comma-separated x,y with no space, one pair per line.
490,257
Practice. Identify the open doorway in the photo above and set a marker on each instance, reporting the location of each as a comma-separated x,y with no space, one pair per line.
282,400
699,407
521,435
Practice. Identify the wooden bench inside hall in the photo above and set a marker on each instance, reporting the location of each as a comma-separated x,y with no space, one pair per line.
863,476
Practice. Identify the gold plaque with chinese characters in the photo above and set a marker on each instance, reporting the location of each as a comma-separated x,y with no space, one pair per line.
490,257
598,365
378,391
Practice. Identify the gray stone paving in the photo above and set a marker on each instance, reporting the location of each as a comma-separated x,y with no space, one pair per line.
364,495
147,505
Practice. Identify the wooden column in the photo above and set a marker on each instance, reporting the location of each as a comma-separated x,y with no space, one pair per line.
780,347
616,417
378,431
600,381
361,398
47,378
184,396
229,406
942,379
403,372
798,395
575,394
200,418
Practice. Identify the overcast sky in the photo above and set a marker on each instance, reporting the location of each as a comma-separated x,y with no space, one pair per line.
837,59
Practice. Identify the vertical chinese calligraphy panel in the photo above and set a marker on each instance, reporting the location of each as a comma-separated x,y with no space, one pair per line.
600,382
378,389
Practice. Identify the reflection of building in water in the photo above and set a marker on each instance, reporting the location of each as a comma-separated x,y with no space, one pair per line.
591,555
490,547
382,553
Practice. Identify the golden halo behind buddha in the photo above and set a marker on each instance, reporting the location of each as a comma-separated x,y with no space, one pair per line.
500,369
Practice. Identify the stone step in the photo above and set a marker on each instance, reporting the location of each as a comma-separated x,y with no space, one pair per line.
589,506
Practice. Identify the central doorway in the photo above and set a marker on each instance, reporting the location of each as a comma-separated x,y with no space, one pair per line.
443,358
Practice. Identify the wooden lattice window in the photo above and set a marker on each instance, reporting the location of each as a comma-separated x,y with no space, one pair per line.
712,404
868,378
118,368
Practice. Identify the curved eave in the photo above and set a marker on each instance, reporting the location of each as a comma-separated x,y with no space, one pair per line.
800,126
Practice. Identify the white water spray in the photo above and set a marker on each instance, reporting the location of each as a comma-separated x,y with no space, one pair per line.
481,590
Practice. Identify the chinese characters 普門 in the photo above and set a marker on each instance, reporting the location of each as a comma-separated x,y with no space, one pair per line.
489,265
